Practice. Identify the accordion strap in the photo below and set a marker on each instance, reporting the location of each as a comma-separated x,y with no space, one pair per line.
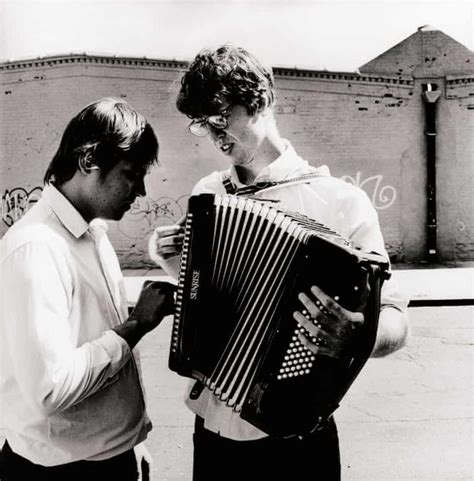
231,188
196,390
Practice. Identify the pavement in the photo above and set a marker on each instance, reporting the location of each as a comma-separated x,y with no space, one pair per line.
420,285
407,417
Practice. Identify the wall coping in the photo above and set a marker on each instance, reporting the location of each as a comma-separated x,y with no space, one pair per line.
72,58
285,72
459,79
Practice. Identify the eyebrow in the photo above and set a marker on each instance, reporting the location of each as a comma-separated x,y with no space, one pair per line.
222,112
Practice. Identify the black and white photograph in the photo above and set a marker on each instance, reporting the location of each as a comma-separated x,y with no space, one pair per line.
236,240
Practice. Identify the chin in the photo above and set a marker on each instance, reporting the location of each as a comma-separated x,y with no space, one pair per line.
241,162
118,215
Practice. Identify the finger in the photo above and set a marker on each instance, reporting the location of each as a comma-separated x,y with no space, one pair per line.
169,247
313,331
336,312
161,285
168,230
182,220
309,327
153,251
322,348
173,240
328,303
168,251
311,306
307,344
323,338
310,335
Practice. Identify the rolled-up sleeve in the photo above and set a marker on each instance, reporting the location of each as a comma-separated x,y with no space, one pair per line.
364,230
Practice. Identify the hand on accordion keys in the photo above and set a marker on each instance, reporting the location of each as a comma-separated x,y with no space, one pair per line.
156,301
165,245
330,328
166,241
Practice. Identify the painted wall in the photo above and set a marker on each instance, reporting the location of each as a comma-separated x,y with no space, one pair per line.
455,170
368,129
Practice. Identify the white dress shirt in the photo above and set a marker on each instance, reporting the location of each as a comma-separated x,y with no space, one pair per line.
331,201
70,387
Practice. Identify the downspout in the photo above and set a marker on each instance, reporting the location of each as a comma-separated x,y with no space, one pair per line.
430,96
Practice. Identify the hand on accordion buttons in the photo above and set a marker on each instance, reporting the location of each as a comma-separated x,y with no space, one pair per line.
329,327
166,241
156,301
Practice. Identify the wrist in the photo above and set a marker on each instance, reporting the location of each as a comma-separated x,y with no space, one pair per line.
131,330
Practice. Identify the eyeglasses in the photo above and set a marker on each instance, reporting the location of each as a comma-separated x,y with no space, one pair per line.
200,127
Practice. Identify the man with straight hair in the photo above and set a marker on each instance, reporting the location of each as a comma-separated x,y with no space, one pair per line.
71,398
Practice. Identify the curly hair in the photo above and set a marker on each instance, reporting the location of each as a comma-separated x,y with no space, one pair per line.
107,131
227,74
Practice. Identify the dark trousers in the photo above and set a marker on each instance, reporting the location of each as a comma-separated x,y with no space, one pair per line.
16,468
315,457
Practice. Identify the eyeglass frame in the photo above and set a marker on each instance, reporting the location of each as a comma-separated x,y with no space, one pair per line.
218,121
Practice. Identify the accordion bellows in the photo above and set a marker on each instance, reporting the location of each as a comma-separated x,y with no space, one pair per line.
243,264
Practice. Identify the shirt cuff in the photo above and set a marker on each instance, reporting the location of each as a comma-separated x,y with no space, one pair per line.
116,347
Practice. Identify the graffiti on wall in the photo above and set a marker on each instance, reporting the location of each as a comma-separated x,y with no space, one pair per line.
147,213
16,202
382,196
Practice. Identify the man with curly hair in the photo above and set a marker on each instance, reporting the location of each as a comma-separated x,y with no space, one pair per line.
230,97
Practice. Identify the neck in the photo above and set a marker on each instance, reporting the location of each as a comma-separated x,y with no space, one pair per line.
72,192
270,150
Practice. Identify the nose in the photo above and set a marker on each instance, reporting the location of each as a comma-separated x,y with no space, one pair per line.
140,189
214,133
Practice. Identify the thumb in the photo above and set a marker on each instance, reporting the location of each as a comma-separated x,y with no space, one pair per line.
182,220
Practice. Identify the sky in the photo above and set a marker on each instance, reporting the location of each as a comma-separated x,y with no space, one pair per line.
337,35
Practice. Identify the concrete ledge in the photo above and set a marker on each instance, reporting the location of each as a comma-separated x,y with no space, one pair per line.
437,286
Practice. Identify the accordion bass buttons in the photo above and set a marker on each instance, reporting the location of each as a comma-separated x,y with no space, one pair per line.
298,360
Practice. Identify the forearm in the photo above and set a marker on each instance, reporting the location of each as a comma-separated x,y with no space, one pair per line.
392,331
64,379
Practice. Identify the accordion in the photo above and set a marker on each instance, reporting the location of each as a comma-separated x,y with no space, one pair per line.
243,263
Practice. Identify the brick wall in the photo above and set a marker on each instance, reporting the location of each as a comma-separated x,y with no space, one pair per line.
368,129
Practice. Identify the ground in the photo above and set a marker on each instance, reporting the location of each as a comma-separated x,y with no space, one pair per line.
407,417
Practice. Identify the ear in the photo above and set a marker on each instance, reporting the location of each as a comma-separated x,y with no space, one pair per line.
86,164
268,106
266,112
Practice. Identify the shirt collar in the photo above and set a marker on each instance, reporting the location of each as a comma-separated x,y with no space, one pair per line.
288,165
68,214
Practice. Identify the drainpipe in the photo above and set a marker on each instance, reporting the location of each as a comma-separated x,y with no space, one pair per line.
430,96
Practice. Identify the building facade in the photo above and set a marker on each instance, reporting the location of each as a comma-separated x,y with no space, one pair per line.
401,129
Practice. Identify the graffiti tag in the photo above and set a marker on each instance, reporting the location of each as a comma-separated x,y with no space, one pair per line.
382,197
147,213
16,202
